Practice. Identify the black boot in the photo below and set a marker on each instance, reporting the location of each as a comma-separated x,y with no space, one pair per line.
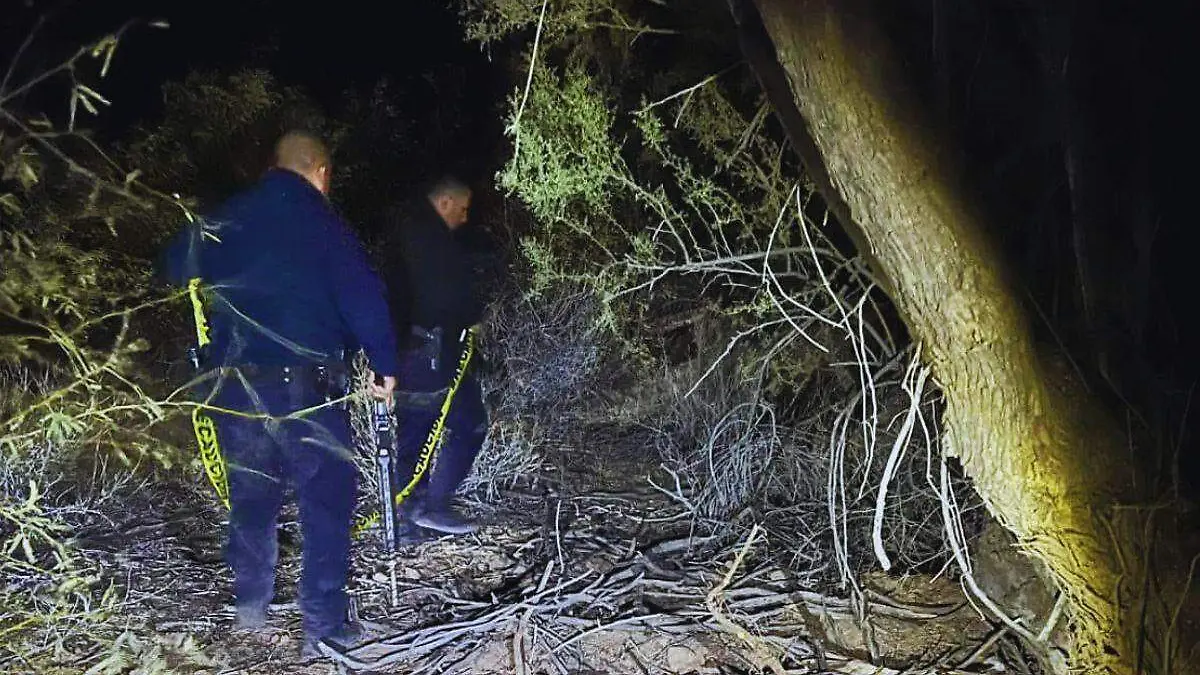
409,533
349,634
251,617
443,518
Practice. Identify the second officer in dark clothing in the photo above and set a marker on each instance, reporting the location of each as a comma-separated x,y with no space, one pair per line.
434,294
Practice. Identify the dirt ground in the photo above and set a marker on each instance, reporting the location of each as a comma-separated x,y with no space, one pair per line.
587,569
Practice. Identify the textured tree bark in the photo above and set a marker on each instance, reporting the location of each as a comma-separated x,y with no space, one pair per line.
1047,461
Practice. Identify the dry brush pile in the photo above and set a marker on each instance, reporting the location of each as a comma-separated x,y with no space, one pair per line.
749,353
681,321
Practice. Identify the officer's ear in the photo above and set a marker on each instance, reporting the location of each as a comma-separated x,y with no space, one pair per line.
322,174
442,204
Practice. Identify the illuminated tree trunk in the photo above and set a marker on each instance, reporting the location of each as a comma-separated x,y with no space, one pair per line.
1046,460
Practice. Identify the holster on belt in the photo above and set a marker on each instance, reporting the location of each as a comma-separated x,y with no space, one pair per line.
428,342
333,381
330,381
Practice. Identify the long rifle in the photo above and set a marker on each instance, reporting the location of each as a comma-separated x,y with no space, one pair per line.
389,499
385,441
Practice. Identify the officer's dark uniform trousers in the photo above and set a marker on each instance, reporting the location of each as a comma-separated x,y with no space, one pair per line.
310,453
422,391
289,284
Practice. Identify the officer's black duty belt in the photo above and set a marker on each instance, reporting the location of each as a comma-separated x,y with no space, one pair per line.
330,381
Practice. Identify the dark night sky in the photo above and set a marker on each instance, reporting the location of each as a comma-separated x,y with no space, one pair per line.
342,44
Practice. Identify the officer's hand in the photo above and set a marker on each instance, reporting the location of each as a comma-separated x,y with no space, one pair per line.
385,390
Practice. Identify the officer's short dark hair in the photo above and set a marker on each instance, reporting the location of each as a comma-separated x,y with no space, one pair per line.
447,185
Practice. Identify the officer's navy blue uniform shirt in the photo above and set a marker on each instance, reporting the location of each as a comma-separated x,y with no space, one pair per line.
430,271
293,285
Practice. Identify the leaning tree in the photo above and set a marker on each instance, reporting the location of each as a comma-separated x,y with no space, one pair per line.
1044,454
1028,423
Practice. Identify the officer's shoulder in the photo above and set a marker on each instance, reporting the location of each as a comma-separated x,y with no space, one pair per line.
334,228
231,211
250,198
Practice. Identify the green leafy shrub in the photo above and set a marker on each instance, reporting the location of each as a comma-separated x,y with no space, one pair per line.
659,183
81,413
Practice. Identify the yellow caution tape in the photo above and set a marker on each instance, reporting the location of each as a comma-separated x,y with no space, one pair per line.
202,425
198,312
433,441
210,454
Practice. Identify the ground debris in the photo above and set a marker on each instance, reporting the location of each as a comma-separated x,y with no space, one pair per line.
557,581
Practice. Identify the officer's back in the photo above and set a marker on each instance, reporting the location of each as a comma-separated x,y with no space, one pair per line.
289,282
292,288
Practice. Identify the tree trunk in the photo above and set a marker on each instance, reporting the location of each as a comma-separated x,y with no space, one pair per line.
1048,462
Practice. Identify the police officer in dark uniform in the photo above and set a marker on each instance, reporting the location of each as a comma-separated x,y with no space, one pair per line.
291,291
427,267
